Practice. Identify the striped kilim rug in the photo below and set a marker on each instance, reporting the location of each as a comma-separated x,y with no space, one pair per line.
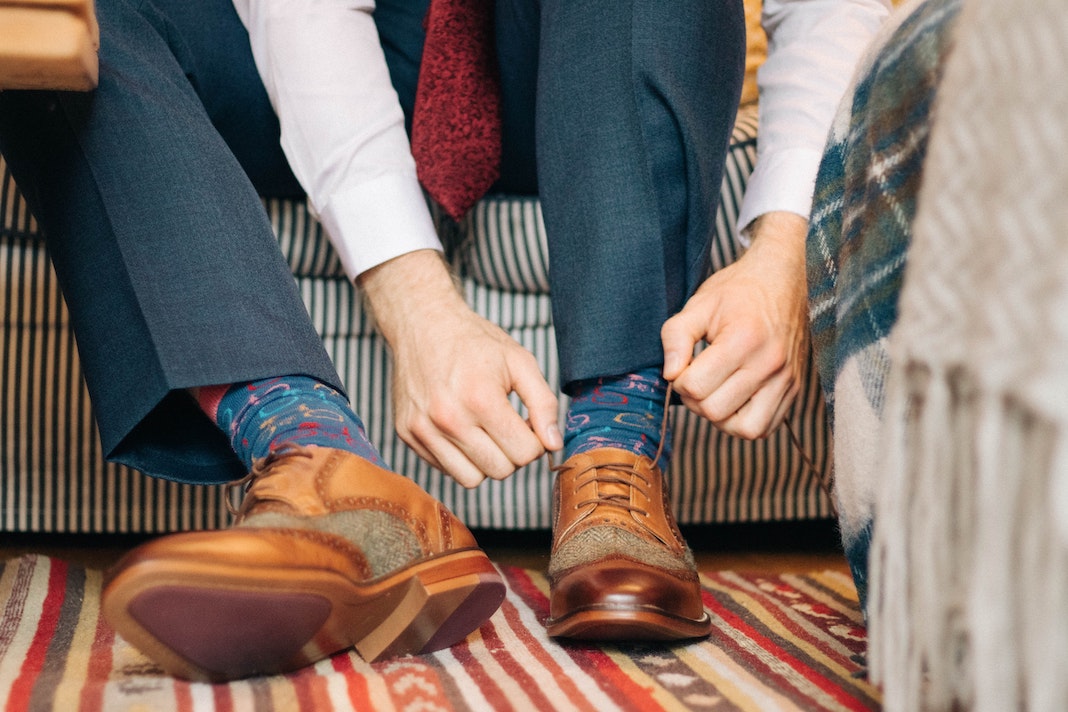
789,642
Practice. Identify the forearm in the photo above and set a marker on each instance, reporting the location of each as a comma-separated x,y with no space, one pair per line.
342,126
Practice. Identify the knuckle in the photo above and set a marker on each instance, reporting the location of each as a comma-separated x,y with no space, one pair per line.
530,451
442,416
776,358
713,409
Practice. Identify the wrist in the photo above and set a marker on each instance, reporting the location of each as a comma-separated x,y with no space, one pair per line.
780,227
406,290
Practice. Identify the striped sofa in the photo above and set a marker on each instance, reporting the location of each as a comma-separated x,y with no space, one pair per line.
53,478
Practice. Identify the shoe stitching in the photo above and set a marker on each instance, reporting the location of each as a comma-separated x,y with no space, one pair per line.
685,573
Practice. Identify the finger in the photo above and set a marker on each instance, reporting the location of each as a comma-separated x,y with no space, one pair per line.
708,372
453,462
780,414
543,408
485,427
679,335
755,418
718,401
513,438
417,447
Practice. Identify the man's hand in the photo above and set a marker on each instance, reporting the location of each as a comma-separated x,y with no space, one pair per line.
754,316
453,372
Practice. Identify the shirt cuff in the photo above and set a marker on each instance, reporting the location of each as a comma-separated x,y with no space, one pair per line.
782,180
378,220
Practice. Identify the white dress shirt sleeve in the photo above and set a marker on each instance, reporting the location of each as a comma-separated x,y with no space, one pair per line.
813,48
342,126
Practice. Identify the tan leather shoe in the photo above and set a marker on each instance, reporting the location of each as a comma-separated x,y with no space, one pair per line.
619,568
328,552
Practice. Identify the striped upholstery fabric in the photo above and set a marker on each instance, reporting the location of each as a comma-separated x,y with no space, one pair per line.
52,476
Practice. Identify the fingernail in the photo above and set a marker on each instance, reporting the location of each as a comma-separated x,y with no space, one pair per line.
553,436
671,362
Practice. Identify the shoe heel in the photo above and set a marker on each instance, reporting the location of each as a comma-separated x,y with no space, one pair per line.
434,615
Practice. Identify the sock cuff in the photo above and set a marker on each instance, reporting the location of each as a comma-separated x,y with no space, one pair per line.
209,398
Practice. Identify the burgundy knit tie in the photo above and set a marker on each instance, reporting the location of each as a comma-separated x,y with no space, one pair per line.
456,127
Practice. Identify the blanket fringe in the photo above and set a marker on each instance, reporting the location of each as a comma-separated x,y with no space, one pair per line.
969,589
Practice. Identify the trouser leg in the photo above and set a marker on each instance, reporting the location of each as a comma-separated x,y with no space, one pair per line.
161,245
635,104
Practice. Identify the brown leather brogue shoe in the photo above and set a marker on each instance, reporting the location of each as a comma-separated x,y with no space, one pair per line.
328,552
619,568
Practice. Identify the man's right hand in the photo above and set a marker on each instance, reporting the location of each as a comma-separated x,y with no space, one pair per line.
453,371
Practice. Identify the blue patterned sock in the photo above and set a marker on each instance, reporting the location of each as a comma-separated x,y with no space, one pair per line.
622,411
261,416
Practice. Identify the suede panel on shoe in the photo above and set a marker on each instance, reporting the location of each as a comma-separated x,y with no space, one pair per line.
386,542
599,542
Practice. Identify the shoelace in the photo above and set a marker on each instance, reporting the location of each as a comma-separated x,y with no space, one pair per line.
259,469
603,474
623,502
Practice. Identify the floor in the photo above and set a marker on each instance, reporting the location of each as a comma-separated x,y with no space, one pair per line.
781,547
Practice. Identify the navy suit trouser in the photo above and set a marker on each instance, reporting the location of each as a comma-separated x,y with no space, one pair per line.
161,244
617,113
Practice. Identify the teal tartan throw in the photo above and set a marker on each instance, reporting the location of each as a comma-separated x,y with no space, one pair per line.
863,206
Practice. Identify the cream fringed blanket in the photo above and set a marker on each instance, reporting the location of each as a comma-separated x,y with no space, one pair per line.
969,589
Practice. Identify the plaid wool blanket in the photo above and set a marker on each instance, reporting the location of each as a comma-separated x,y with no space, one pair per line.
863,207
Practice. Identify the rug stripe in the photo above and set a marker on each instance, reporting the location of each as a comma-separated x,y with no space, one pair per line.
68,692
606,675
15,586
183,696
48,619
528,651
477,688
682,676
354,686
514,695
378,691
657,693
766,665
518,675
101,661
70,585
550,675
830,588
739,685
261,693
784,669
528,627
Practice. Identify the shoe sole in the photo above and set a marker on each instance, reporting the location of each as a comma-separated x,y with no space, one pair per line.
621,625
218,621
